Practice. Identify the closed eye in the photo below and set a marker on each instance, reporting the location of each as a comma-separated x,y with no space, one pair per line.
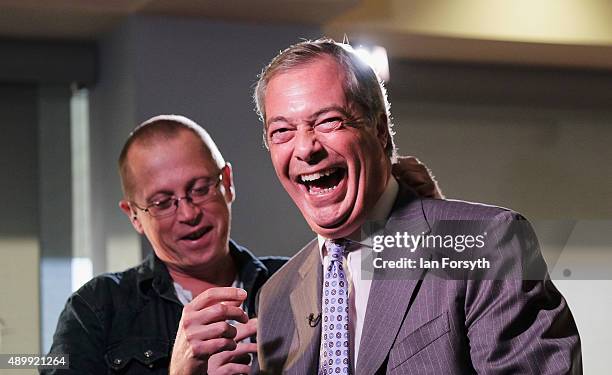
329,124
200,191
163,203
281,134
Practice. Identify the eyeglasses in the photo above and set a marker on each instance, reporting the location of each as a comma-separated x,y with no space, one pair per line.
203,190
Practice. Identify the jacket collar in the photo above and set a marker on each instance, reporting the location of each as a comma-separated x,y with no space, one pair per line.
153,276
251,271
153,273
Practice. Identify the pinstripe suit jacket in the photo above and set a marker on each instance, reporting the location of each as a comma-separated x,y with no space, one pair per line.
427,325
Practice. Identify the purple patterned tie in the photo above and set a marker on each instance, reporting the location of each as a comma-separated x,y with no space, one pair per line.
335,343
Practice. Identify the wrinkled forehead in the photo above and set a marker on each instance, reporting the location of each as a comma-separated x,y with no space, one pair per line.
330,64
316,77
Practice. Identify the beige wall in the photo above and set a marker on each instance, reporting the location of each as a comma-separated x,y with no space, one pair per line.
19,294
19,223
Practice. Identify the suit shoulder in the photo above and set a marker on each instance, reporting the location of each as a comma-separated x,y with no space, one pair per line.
452,209
287,273
273,263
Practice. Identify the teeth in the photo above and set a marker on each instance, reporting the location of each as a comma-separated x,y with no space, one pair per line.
317,175
322,191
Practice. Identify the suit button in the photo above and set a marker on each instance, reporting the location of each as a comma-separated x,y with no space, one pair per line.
148,353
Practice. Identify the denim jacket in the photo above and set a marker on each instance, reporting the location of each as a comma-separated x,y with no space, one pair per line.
126,322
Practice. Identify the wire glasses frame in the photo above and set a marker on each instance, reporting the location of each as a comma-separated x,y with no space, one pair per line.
204,189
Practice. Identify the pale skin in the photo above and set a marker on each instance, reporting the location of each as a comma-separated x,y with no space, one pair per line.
205,342
312,130
309,125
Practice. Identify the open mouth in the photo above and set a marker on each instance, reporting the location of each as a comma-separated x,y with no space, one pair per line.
323,181
193,236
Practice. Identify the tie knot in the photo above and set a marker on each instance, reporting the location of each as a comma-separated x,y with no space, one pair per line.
336,248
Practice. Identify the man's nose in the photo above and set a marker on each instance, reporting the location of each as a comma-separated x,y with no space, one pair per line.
187,211
307,146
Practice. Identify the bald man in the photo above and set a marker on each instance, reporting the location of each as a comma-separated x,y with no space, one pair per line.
170,314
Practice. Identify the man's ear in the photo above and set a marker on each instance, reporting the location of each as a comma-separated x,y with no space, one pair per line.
382,129
131,214
228,183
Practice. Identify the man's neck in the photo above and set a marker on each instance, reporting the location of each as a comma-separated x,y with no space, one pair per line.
379,212
222,274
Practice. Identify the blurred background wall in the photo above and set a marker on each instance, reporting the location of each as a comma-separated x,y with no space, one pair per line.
508,102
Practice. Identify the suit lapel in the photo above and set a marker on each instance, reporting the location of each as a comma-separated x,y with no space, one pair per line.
391,290
382,321
306,299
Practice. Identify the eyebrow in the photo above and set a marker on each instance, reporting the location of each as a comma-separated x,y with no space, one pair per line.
332,108
189,184
318,113
277,119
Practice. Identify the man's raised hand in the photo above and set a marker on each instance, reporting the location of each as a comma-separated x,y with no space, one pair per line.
204,330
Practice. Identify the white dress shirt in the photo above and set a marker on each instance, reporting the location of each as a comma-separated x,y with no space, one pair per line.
359,289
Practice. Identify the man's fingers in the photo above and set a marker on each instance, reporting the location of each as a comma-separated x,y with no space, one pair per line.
415,174
244,348
217,295
408,160
239,355
236,361
210,331
410,167
231,369
204,349
246,330
232,303
212,314
242,353
221,311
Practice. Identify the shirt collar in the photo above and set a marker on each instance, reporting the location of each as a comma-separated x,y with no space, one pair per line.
381,210
154,274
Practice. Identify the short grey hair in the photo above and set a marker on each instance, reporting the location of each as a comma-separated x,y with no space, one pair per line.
361,84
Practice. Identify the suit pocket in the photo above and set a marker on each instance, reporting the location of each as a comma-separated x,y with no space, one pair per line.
418,340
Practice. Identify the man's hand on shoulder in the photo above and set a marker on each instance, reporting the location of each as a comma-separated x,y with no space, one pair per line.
415,174
204,330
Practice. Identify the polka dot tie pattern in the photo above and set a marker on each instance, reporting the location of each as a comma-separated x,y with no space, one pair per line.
335,342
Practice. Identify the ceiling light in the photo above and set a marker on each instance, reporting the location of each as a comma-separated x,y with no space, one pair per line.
376,57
